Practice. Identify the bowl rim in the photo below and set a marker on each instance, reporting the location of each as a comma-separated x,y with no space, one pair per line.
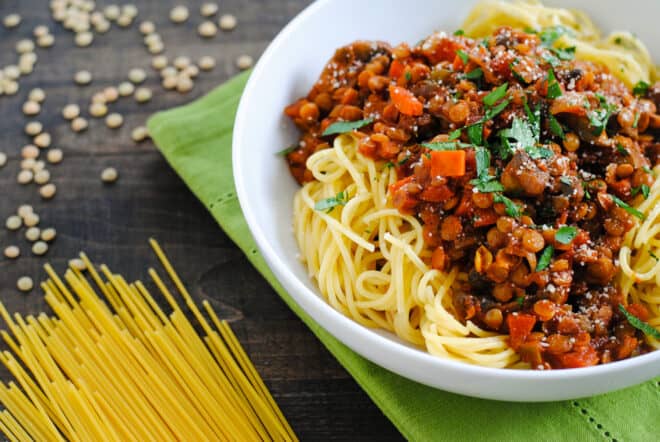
340,326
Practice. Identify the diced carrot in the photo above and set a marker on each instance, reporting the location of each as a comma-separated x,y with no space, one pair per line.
578,359
399,184
520,326
448,163
405,101
396,69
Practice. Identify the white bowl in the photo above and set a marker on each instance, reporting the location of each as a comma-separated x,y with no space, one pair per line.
286,71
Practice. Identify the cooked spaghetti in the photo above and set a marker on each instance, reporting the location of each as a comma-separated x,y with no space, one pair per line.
112,365
492,200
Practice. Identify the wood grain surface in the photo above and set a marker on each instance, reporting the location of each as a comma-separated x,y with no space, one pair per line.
113,222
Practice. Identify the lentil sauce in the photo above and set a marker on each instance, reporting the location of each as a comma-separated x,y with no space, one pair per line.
523,165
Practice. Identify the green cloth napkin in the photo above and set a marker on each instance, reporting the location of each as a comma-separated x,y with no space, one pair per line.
196,140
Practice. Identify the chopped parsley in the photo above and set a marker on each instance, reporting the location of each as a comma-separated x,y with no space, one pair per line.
341,127
544,260
550,59
454,134
654,256
554,90
565,234
389,164
463,56
636,120
555,127
648,170
404,160
641,88
551,34
628,208
565,54
511,208
459,32
566,180
644,327
445,145
476,134
475,74
526,137
329,204
287,151
520,300
643,189
494,111
485,183
496,95
408,75
622,150
599,117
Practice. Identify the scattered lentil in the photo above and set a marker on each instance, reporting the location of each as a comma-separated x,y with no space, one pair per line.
206,63
12,252
77,264
137,75
3,159
37,95
46,41
170,82
208,9
28,163
25,177
244,62
12,72
207,29
125,89
147,27
84,39
30,151
39,248
82,78
14,222
98,110
124,21
33,128
114,120
48,234
54,156
179,14
112,12
10,87
78,125
129,10
11,21
71,111
42,176
24,46
139,134
192,71
31,219
109,175
228,22
143,94
40,31
31,108
169,71
184,84
159,62
24,283
47,191
42,140
24,210
111,94
181,62
32,234
38,165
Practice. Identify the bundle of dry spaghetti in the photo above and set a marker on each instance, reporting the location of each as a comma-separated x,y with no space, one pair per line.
112,365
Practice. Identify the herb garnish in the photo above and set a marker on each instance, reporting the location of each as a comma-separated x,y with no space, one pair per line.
525,137
445,145
653,255
648,170
555,127
485,183
329,204
636,120
622,150
520,300
511,208
389,164
566,180
404,160
408,75
628,208
496,95
454,134
287,151
633,320
641,88
476,133
517,75
544,260
459,32
341,127
599,117
643,189
463,56
565,234
554,90
475,74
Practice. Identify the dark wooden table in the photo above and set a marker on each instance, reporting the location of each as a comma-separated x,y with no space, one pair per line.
113,222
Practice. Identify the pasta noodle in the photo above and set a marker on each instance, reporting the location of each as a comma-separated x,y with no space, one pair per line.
125,370
623,53
343,250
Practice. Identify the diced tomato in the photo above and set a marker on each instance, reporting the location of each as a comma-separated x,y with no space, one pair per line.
520,326
399,184
396,69
448,163
485,217
576,359
436,194
405,101
638,310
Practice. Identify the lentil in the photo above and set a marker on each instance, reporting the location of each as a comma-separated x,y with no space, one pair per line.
114,120
228,22
39,248
83,78
12,252
179,14
32,234
109,175
25,177
33,128
48,191
14,222
80,124
24,284
71,111
48,234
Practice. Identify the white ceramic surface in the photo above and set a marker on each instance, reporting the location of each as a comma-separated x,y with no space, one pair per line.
285,72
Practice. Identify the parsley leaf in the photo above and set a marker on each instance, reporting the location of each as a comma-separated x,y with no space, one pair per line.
330,203
641,88
496,95
517,75
454,134
482,157
521,132
520,300
643,189
404,160
551,34
463,56
445,145
475,133
459,32
648,170
389,164
628,208
566,180
555,127
544,260
287,151
554,90
598,118
475,74
565,54
341,127
636,120
550,59
493,112
644,327
622,150
487,185
408,75
511,208
654,256
566,234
